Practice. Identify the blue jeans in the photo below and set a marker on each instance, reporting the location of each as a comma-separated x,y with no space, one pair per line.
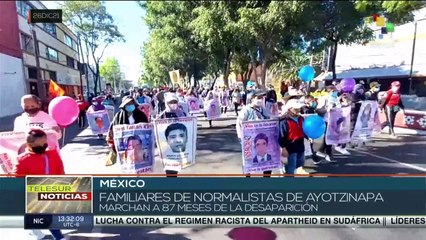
57,234
294,161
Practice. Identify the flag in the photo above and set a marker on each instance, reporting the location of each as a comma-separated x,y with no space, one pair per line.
375,16
390,27
384,31
380,22
55,90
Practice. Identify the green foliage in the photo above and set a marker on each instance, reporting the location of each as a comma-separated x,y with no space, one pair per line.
94,26
110,70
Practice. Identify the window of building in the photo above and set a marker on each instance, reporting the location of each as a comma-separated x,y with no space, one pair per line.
51,75
32,72
27,43
23,8
70,62
51,54
68,40
50,28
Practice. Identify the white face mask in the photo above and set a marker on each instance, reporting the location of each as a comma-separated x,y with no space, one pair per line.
395,89
258,102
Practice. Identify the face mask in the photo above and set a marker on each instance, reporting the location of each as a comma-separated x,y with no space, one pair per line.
173,106
95,103
39,149
130,108
32,111
313,104
334,94
395,89
258,102
360,91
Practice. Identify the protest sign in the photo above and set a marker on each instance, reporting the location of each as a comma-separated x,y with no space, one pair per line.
146,108
134,144
212,108
111,110
260,149
176,141
339,126
272,109
184,107
366,121
194,104
14,143
98,121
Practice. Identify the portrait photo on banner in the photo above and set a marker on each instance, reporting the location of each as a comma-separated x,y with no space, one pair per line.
111,111
98,121
12,144
176,142
194,104
184,107
260,149
366,121
339,126
212,108
135,147
146,108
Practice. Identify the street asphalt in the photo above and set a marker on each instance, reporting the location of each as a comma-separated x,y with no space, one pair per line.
218,151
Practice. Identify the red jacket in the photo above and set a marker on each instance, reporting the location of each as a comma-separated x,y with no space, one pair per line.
82,105
393,99
35,164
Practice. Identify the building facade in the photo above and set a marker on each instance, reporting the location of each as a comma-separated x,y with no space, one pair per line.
58,52
12,81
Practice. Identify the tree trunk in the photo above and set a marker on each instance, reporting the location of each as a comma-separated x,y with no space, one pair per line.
263,76
333,59
96,75
227,69
246,76
254,66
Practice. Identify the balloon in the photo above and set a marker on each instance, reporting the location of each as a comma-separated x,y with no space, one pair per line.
347,85
63,110
314,126
307,73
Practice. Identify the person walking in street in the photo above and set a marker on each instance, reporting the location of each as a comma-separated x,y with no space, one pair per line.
95,107
392,105
291,136
236,99
128,113
224,100
82,106
172,111
34,117
253,112
39,160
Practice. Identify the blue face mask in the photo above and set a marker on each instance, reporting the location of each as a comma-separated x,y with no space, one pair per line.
130,108
313,104
334,94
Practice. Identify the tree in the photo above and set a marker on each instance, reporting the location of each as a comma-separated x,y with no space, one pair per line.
96,29
272,25
332,23
110,70
171,45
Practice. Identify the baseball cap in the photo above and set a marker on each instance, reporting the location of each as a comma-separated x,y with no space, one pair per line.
258,93
293,103
126,100
396,84
171,97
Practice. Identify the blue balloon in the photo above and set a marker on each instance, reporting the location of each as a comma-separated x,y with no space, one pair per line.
307,73
314,126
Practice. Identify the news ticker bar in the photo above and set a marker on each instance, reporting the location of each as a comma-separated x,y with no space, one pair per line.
90,221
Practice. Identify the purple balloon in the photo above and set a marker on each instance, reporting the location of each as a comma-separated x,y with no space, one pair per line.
347,84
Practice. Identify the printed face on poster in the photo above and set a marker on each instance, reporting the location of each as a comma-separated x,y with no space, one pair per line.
135,147
12,144
111,111
194,104
213,109
98,121
260,148
182,105
339,126
176,141
366,121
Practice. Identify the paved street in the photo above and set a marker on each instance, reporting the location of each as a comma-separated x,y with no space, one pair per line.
218,151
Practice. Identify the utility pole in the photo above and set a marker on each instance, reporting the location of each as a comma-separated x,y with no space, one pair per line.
410,79
41,90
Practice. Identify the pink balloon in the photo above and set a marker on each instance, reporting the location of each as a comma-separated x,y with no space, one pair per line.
347,84
64,110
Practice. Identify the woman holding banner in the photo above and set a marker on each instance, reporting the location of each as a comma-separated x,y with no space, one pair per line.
128,114
253,112
95,107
